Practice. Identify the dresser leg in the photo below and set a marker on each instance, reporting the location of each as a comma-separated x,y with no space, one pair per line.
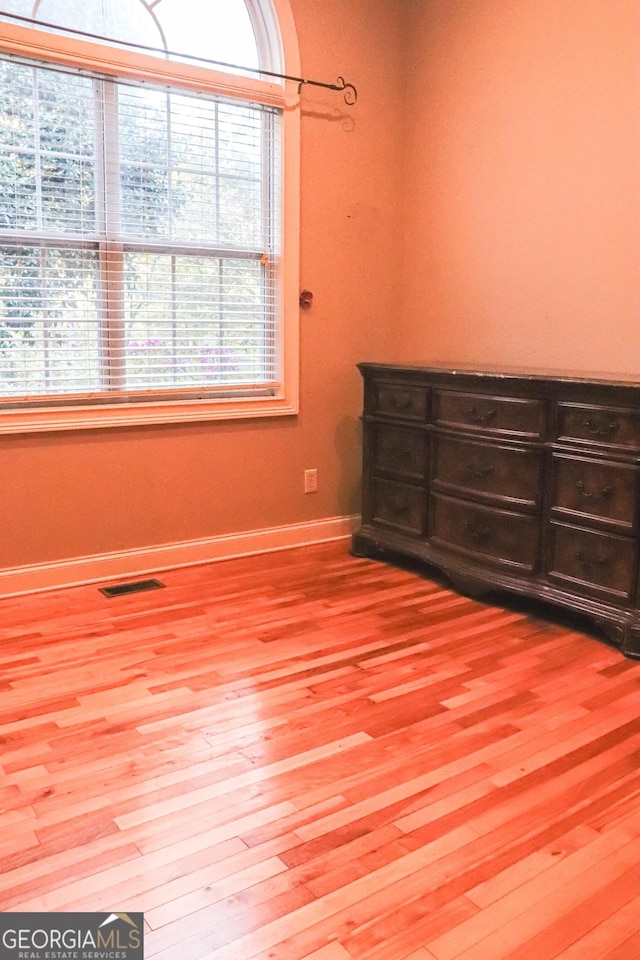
631,642
468,586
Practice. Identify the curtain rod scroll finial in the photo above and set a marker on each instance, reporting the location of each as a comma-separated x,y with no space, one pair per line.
350,92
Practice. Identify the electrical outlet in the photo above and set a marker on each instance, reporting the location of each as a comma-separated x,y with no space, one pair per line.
311,481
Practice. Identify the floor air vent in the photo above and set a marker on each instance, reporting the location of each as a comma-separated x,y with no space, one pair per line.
137,586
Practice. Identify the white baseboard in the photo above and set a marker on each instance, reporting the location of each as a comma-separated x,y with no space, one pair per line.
107,566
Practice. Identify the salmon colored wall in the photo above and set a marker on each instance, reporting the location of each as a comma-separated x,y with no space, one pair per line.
522,181
79,494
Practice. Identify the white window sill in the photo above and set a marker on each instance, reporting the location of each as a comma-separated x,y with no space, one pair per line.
103,416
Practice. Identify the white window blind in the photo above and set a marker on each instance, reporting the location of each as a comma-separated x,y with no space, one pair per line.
139,241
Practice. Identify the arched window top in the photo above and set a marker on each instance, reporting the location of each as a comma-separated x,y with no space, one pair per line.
228,31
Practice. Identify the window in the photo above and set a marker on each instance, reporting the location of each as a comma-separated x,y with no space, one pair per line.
143,274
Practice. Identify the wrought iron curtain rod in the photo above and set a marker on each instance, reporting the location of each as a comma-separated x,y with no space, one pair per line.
350,92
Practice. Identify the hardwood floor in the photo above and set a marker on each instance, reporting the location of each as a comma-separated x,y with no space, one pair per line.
308,755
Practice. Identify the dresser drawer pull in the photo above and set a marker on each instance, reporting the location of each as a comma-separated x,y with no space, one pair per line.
588,562
481,416
599,429
400,401
604,493
399,506
478,472
400,454
476,533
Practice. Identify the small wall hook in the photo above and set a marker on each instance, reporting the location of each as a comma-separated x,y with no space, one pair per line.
306,298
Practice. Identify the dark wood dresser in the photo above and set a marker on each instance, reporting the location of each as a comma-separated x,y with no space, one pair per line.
512,481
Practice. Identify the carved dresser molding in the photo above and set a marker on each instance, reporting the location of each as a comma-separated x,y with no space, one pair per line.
510,481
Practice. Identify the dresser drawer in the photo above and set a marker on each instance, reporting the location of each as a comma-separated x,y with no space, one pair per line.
510,416
595,562
611,427
399,451
594,488
500,473
498,535
399,400
398,505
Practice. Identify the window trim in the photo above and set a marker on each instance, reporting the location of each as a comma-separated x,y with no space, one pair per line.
61,49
